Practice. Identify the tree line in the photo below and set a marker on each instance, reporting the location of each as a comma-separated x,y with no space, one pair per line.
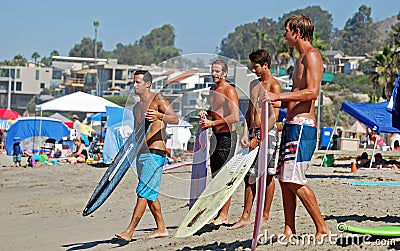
358,38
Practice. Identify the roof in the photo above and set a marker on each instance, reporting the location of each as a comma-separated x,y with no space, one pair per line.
182,76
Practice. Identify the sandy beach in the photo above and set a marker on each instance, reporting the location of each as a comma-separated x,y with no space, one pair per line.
42,210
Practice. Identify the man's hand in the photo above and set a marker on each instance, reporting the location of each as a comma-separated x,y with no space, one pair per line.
271,98
244,142
153,115
253,143
203,113
205,123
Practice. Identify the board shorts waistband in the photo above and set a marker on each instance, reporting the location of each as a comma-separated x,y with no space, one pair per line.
298,120
162,153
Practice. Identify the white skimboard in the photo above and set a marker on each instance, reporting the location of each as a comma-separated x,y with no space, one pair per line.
217,193
262,175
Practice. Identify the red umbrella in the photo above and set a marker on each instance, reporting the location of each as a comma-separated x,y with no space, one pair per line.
9,114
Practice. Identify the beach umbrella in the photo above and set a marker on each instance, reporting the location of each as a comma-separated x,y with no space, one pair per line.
85,129
9,114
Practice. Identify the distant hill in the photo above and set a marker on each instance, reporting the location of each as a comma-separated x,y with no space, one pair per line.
385,27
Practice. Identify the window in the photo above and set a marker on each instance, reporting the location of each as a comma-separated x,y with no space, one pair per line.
42,85
18,86
37,75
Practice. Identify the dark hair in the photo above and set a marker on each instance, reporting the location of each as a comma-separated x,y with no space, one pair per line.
221,63
303,23
396,143
364,155
147,77
260,57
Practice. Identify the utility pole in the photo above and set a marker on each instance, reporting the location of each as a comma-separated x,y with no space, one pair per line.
9,89
96,24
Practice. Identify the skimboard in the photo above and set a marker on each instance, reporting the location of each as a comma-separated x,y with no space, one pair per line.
114,173
262,175
386,231
199,165
217,193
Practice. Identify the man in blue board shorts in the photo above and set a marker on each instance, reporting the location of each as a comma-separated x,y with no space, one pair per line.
157,111
299,133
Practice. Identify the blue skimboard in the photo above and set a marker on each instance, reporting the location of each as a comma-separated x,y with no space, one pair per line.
126,155
199,165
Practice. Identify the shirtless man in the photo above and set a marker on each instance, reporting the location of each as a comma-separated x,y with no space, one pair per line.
224,113
260,63
157,112
299,133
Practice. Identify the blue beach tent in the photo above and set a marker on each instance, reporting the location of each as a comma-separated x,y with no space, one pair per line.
373,115
26,127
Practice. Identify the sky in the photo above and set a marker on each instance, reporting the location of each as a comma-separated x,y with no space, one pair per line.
46,25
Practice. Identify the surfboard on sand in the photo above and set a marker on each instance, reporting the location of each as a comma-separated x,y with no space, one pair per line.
117,169
385,231
262,175
199,165
218,191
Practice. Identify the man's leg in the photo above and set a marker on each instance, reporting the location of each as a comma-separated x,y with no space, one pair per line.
289,209
307,197
155,208
269,197
136,216
222,217
249,192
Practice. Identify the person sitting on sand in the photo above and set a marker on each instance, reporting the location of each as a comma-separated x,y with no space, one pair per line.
80,155
363,160
380,162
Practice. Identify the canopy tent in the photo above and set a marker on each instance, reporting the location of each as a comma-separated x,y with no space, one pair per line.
119,127
60,117
394,104
79,102
26,127
373,115
66,121
96,117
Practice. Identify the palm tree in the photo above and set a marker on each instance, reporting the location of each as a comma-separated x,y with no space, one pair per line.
386,64
261,37
19,60
35,57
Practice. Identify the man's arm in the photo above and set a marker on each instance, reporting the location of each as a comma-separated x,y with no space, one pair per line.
313,68
165,111
276,88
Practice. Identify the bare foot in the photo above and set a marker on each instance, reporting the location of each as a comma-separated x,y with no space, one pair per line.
218,221
124,236
266,218
239,224
159,234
